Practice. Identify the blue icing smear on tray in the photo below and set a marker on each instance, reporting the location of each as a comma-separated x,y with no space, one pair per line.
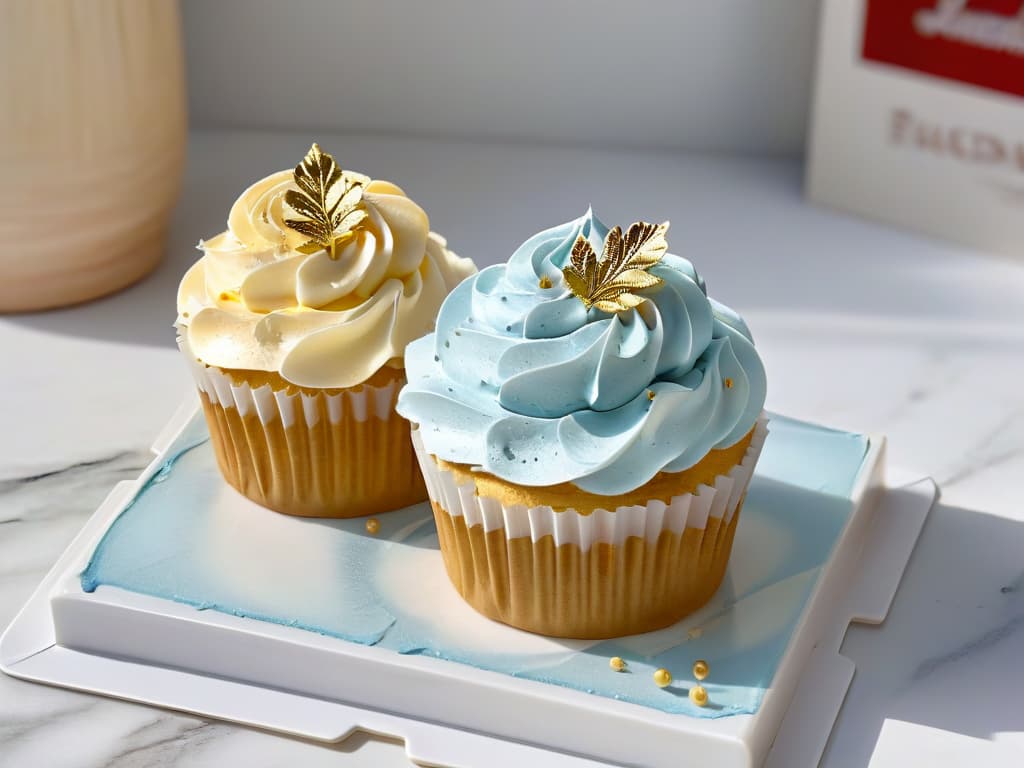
190,538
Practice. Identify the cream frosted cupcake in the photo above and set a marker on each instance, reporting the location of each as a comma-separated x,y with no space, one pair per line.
295,321
587,427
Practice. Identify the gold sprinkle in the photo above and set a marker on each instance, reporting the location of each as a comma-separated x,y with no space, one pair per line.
700,669
372,526
728,383
662,678
650,394
699,695
616,663
545,282
228,296
184,314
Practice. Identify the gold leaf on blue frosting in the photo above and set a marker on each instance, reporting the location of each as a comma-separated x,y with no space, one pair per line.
608,283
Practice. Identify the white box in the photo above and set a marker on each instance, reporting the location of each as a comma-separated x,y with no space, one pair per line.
918,117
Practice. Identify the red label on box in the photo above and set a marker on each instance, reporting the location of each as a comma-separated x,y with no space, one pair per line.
980,42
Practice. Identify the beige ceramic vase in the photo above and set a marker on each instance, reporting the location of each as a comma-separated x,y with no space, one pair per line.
92,139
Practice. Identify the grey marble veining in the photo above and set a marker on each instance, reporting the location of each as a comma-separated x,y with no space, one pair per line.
862,327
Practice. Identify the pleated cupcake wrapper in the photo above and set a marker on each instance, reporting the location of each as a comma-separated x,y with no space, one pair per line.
689,510
316,454
603,574
268,404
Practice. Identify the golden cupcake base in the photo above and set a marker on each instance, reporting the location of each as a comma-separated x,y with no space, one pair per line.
346,464
562,562
607,591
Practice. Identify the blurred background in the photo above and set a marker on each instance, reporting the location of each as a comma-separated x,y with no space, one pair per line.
500,120
504,119
721,77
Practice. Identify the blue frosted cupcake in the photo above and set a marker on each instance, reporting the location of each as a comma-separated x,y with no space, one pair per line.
587,428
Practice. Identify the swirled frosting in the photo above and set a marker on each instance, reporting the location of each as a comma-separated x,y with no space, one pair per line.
523,382
255,302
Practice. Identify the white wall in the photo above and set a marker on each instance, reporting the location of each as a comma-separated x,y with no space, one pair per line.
728,75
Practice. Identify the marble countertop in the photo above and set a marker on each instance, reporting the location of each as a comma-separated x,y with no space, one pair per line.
861,327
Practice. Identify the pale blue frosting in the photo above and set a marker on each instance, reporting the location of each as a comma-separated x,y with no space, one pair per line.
525,383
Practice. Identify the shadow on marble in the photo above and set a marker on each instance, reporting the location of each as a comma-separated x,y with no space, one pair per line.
355,741
948,656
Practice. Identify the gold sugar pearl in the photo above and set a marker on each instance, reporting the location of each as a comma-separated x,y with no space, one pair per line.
650,394
662,678
700,669
372,526
699,695
545,282
616,663
728,383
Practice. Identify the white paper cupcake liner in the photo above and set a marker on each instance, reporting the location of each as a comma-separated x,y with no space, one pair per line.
688,510
314,453
363,402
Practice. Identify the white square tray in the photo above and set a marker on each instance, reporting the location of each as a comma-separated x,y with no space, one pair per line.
144,648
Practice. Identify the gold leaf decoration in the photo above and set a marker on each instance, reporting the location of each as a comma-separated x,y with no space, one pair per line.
329,200
608,283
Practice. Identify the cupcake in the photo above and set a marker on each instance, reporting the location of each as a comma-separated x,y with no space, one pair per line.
295,321
587,427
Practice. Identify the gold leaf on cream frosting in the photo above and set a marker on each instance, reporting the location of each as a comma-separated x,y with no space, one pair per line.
328,198
608,283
